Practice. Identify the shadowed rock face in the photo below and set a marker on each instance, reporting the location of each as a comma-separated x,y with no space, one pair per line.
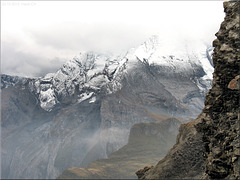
184,160
220,127
215,133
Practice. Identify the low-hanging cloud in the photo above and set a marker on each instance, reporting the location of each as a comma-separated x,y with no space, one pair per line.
26,64
105,38
37,45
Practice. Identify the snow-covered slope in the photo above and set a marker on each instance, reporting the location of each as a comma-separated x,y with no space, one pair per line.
183,59
88,72
85,74
179,58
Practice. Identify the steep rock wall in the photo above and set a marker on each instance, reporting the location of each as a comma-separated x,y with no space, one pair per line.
220,127
184,160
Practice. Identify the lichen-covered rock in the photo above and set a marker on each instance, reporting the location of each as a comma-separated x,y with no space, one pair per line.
235,83
221,129
141,172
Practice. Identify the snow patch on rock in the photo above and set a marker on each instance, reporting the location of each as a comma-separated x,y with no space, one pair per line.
47,99
84,96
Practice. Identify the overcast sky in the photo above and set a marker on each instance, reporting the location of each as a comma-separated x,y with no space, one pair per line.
38,36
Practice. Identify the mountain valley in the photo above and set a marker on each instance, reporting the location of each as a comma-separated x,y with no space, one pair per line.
84,111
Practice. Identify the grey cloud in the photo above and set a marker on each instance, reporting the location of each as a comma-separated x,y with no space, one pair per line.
55,36
14,62
105,38
101,38
75,38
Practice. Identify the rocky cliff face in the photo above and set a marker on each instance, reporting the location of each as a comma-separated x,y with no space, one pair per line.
215,133
221,125
184,160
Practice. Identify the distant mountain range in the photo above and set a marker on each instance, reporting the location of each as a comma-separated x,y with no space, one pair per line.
85,110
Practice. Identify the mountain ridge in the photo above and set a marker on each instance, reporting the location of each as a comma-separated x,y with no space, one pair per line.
87,105
92,71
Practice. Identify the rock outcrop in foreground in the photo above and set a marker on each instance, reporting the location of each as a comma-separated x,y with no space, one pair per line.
183,160
220,127
209,146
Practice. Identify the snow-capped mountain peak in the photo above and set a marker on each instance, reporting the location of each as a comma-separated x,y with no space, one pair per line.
88,72
145,50
178,56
